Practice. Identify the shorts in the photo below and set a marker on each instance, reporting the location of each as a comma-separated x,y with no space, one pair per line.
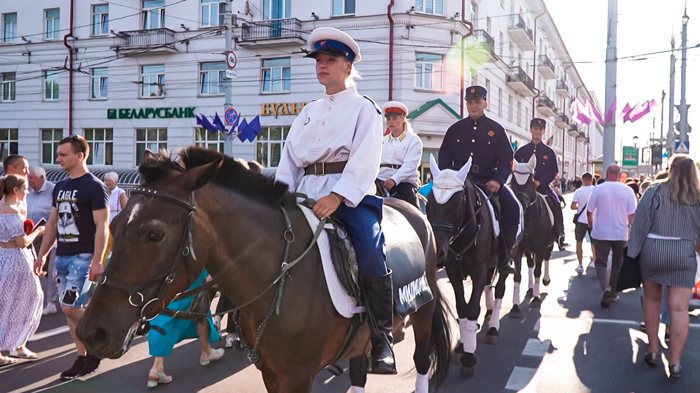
72,273
581,231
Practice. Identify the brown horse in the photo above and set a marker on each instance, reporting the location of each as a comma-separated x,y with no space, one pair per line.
215,214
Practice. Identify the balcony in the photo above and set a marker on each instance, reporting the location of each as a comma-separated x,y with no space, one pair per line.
147,41
573,130
562,121
546,67
520,33
276,31
562,89
546,106
481,46
520,81
582,137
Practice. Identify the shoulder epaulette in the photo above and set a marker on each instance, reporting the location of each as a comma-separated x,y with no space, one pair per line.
379,110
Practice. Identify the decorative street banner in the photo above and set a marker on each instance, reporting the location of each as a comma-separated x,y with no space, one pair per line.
151,113
630,156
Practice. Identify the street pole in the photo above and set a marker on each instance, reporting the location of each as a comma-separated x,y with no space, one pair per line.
671,135
228,22
610,84
684,108
661,134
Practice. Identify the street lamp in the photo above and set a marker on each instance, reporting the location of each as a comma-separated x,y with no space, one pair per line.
686,18
634,141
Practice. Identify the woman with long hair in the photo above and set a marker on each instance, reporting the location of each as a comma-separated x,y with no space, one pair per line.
665,234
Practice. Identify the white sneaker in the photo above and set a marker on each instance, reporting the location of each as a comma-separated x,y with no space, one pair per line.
579,269
49,309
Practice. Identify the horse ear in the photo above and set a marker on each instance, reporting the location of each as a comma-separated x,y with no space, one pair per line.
198,177
148,155
434,168
532,163
464,171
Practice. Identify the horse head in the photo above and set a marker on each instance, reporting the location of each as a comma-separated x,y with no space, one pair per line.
522,182
450,205
153,257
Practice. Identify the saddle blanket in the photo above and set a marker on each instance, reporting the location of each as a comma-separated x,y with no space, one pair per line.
549,209
496,226
405,257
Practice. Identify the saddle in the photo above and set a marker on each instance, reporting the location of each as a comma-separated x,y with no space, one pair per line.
549,202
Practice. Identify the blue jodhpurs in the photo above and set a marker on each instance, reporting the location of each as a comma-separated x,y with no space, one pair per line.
363,224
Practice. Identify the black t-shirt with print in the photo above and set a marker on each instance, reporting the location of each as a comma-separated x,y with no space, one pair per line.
75,200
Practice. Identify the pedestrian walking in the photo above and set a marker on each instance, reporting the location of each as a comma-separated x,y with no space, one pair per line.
580,203
117,196
20,291
17,165
665,236
79,221
610,211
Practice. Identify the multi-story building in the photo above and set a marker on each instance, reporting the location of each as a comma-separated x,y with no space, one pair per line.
132,75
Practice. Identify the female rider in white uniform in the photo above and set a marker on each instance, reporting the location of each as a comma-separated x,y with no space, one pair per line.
332,155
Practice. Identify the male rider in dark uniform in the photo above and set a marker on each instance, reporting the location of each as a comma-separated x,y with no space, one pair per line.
545,171
486,142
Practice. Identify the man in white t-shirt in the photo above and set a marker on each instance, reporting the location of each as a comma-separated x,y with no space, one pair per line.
610,212
579,203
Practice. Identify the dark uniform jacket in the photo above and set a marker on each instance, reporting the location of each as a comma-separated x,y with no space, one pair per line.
546,168
483,139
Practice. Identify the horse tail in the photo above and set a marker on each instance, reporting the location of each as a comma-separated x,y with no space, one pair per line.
440,340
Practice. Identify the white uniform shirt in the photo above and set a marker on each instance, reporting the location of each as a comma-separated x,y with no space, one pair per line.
407,151
339,127
611,203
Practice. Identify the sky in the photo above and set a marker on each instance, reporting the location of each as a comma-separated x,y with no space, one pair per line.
644,26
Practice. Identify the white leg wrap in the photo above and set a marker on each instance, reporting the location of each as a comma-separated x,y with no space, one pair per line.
422,383
488,294
546,270
516,293
495,321
536,289
468,331
531,276
357,389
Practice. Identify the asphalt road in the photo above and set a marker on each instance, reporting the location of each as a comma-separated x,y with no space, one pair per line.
571,344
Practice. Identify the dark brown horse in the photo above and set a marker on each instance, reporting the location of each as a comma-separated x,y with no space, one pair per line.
238,232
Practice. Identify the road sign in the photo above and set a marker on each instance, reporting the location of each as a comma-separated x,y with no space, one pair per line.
231,60
231,116
231,74
682,148
630,156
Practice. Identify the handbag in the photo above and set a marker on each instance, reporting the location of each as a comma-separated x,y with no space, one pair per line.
630,273
578,214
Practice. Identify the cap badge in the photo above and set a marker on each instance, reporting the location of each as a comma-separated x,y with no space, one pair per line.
491,133
321,43
473,90
545,157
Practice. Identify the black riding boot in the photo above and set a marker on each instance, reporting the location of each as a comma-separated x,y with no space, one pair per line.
505,255
380,308
559,224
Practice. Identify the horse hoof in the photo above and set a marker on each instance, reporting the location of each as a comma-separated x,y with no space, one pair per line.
546,282
467,372
535,303
468,360
529,293
515,312
492,336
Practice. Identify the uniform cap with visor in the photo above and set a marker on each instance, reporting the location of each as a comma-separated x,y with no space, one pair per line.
334,42
395,108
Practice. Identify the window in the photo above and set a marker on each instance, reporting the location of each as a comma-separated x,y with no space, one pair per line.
153,14
9,27
100,19
211,78
152,139
428,71
153,81
343,7
98,87
279,9
8,86
519,115
53,23
9,143
49,145
488,25
500,43
430,6
269,145
510,107
213,13
276,75
100,142
473,13
207,140
500,102
51,85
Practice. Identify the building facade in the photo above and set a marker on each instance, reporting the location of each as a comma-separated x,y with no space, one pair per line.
132,76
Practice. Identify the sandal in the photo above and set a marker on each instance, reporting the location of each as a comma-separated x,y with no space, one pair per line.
25,354
162,379
8,361
215,354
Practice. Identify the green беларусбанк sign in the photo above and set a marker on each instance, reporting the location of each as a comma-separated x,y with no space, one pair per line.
151,113
630,156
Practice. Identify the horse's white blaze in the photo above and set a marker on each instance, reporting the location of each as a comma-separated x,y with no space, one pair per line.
422,383
516,293
546,270
468,331
134,211
495,321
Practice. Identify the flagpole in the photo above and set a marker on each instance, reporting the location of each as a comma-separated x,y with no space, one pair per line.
610,84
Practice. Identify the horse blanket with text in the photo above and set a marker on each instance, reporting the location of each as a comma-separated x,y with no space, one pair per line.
405,257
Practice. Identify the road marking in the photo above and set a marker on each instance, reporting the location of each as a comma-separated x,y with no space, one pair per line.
628,322
49,333
536,348
520,378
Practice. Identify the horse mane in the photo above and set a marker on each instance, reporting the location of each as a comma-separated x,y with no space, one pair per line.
232,175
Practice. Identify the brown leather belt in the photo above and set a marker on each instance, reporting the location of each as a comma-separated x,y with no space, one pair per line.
325,168
392,166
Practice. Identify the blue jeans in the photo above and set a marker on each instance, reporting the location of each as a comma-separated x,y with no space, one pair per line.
72,273
363,224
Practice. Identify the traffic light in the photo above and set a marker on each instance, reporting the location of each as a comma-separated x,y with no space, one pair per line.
656,154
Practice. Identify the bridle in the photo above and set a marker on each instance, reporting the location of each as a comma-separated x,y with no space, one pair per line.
457,231
531,200
185,252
